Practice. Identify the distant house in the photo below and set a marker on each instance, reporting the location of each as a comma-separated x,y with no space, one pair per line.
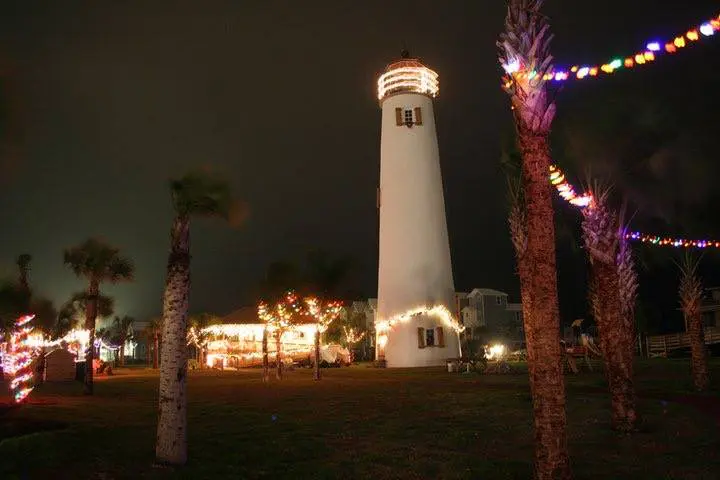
486,313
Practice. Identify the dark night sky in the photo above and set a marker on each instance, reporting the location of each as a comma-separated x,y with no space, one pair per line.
108,100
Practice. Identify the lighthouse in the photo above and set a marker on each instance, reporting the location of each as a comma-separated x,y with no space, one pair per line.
415,323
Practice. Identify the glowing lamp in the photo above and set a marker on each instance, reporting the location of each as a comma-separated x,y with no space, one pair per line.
653,46
649,56
679,42
692,35
670,48
629,62
640,58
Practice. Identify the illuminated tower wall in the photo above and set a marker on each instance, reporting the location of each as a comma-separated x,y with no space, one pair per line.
414,265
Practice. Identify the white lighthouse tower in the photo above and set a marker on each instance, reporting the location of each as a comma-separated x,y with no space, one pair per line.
416,324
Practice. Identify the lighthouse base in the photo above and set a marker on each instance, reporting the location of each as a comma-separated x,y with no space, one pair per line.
422,342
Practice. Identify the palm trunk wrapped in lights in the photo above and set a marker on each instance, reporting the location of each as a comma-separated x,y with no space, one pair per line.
690,299
524,47
601,234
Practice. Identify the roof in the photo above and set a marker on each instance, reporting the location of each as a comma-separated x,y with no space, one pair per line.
241,315
248,315
487,292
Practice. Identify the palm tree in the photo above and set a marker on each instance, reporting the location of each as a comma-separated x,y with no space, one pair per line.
23,263
690,298
196,194
524,53
97,262
72,313
154,331
601,232
122,328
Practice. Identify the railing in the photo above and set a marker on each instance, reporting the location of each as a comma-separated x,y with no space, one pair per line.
660,345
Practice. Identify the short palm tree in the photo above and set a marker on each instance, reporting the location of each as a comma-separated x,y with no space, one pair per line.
23,263
122,327
196,194
98,263
601,235
690,299
154,335
72,313
524,54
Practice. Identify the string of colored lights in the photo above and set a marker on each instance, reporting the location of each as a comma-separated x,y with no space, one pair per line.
649,54
567,192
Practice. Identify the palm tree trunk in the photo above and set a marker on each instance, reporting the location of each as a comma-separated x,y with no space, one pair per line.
90,318
265,361
542,318
698,353
156,350
278,351
122,352
316,373
616,347
171,445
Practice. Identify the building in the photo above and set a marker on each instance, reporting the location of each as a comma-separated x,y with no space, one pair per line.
487,314
236,342
415,325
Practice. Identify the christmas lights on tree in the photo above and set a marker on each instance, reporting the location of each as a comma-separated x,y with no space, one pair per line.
17,361
568,193
652,50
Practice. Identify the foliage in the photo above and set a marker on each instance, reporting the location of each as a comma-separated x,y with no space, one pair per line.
98,262
206,194
72,312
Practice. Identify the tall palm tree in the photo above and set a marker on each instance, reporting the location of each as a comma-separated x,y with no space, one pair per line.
98,263
690,298
197,194
601,232
122,327
524,53
23,263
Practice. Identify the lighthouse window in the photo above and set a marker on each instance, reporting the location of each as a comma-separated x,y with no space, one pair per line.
408,117
429,337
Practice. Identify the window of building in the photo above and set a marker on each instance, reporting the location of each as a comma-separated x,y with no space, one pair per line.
429,337
498,300
408,116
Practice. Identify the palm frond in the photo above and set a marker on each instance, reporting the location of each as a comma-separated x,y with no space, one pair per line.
96,260
205,194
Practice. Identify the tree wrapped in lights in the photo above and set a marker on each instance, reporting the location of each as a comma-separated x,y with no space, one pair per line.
352,338
324,313
18,359
278,320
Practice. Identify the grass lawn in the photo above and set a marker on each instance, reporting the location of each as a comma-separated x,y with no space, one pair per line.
360,422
